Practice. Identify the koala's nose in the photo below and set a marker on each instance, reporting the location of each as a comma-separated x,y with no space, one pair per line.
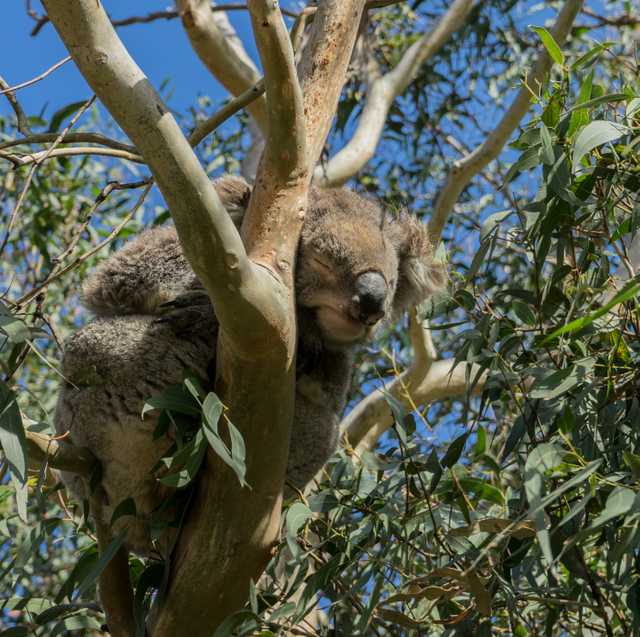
371,293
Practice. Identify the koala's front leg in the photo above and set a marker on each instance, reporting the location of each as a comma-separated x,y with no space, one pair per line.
320,399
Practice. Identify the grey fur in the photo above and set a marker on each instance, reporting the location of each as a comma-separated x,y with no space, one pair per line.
154,322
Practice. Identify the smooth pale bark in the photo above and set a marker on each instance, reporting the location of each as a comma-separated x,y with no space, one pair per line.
372,416
219,48
236,543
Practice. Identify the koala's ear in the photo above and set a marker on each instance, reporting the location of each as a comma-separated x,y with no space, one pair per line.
419,273
234,192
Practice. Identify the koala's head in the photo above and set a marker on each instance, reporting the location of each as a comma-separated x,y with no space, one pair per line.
357,264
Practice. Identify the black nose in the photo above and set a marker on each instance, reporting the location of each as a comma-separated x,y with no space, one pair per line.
371,293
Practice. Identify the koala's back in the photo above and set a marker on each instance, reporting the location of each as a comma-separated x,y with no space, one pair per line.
140,277
111,366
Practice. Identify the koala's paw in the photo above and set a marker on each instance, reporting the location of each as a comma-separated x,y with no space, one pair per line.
186,311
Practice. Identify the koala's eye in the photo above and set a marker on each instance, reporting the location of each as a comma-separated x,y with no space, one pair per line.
322,263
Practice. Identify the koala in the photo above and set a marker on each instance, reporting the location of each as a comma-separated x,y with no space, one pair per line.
357,266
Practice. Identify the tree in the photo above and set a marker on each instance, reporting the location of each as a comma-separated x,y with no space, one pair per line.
527,520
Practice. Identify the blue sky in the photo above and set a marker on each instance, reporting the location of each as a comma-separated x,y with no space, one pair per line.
160,48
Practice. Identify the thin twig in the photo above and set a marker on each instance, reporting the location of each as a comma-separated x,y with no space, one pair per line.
83,257
23,124
36,163
50,70
168,14
39,157
71,138
229,109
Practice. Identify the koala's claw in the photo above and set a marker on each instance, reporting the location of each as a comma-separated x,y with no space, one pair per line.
185,300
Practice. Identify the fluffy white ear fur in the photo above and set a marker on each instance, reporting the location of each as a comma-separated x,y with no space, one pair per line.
420,275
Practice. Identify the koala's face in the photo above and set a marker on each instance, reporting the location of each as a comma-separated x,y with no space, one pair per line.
358,265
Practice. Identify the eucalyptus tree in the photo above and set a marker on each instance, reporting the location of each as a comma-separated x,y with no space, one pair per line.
488,470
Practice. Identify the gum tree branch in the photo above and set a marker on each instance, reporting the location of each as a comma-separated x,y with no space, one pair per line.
231,108
465,169
21,118
211,241
59,456
382,90
219,48
51,69
30,158
230,531
70,138
153,16
323,67
427,380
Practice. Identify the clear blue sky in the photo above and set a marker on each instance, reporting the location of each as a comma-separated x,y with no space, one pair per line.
160,48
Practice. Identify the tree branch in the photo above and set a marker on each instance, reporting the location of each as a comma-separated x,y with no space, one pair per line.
59,455
463,170
217,45
116,592
323,67
30,158
381,93
51,69
21,118
231,532
425,381
231,108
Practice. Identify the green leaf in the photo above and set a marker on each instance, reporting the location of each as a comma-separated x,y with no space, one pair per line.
543,458
175,398
212,409
550,44
228,626
591,55
124,508
15,329
629,291
235,457
523,312
184,464
580,116
99,565
609,98
558,382
529,159
621,501
12,436
297,515
454,451
593,135
546,153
